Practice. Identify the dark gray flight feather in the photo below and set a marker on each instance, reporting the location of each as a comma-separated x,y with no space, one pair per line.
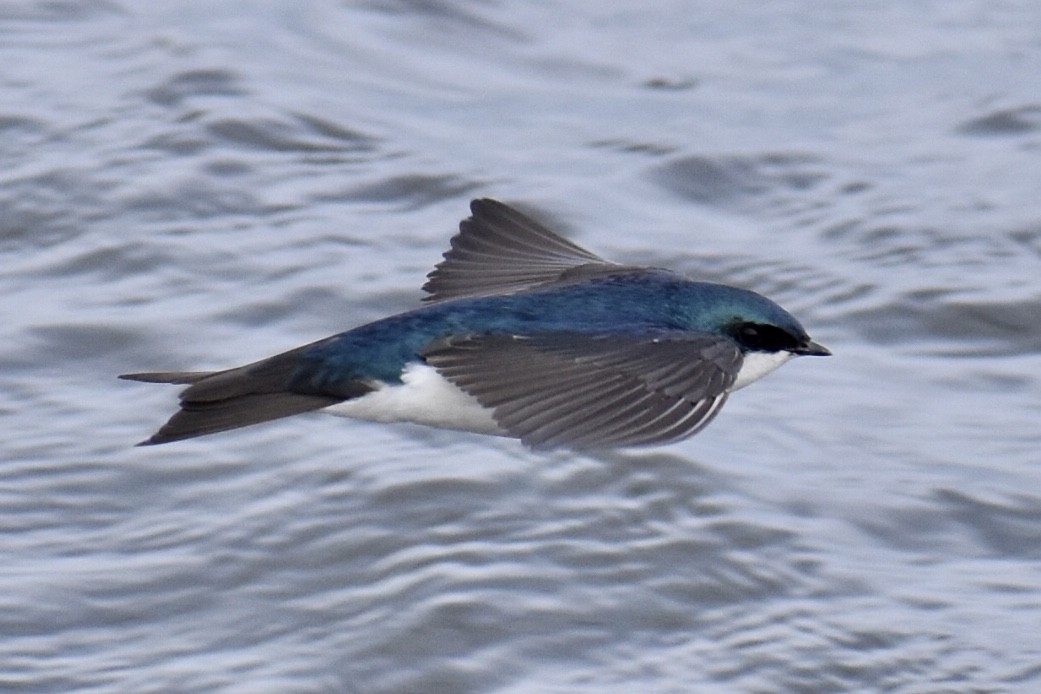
222,400
498,250
584,391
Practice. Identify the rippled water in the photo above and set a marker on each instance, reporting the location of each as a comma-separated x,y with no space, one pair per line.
198,185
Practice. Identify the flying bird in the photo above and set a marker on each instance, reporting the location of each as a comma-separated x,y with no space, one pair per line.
523,334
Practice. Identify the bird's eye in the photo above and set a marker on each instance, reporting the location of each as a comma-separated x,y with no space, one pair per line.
749,335
763,337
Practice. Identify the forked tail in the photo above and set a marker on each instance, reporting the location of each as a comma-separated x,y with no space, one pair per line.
221,400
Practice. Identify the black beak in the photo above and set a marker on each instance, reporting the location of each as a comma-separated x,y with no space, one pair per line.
812,349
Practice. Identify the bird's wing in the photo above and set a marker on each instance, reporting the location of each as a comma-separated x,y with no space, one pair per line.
499,251
583,391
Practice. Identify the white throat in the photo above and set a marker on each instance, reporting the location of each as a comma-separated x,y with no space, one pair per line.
758,364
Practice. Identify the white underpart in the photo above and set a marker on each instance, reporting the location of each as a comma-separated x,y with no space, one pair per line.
423,397
758,364
426,397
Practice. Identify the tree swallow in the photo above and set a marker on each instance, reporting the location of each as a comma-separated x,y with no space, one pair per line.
526,335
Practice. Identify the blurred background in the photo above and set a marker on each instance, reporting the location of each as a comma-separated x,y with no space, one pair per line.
188,185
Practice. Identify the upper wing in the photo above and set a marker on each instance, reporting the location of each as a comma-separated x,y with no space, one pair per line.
501,251
586,391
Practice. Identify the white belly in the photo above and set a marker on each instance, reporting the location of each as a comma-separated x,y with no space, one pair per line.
423,397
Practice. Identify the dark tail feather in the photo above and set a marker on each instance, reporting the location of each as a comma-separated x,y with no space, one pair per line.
168,376
201,417
222,400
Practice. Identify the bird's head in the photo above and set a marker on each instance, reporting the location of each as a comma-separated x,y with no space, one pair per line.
754,322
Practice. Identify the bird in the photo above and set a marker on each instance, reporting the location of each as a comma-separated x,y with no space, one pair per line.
524,334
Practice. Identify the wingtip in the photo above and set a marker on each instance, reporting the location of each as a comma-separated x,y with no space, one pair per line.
478,203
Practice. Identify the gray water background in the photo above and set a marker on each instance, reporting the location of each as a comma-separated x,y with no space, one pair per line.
189,185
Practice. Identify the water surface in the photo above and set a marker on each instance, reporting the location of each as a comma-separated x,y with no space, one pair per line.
195,186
